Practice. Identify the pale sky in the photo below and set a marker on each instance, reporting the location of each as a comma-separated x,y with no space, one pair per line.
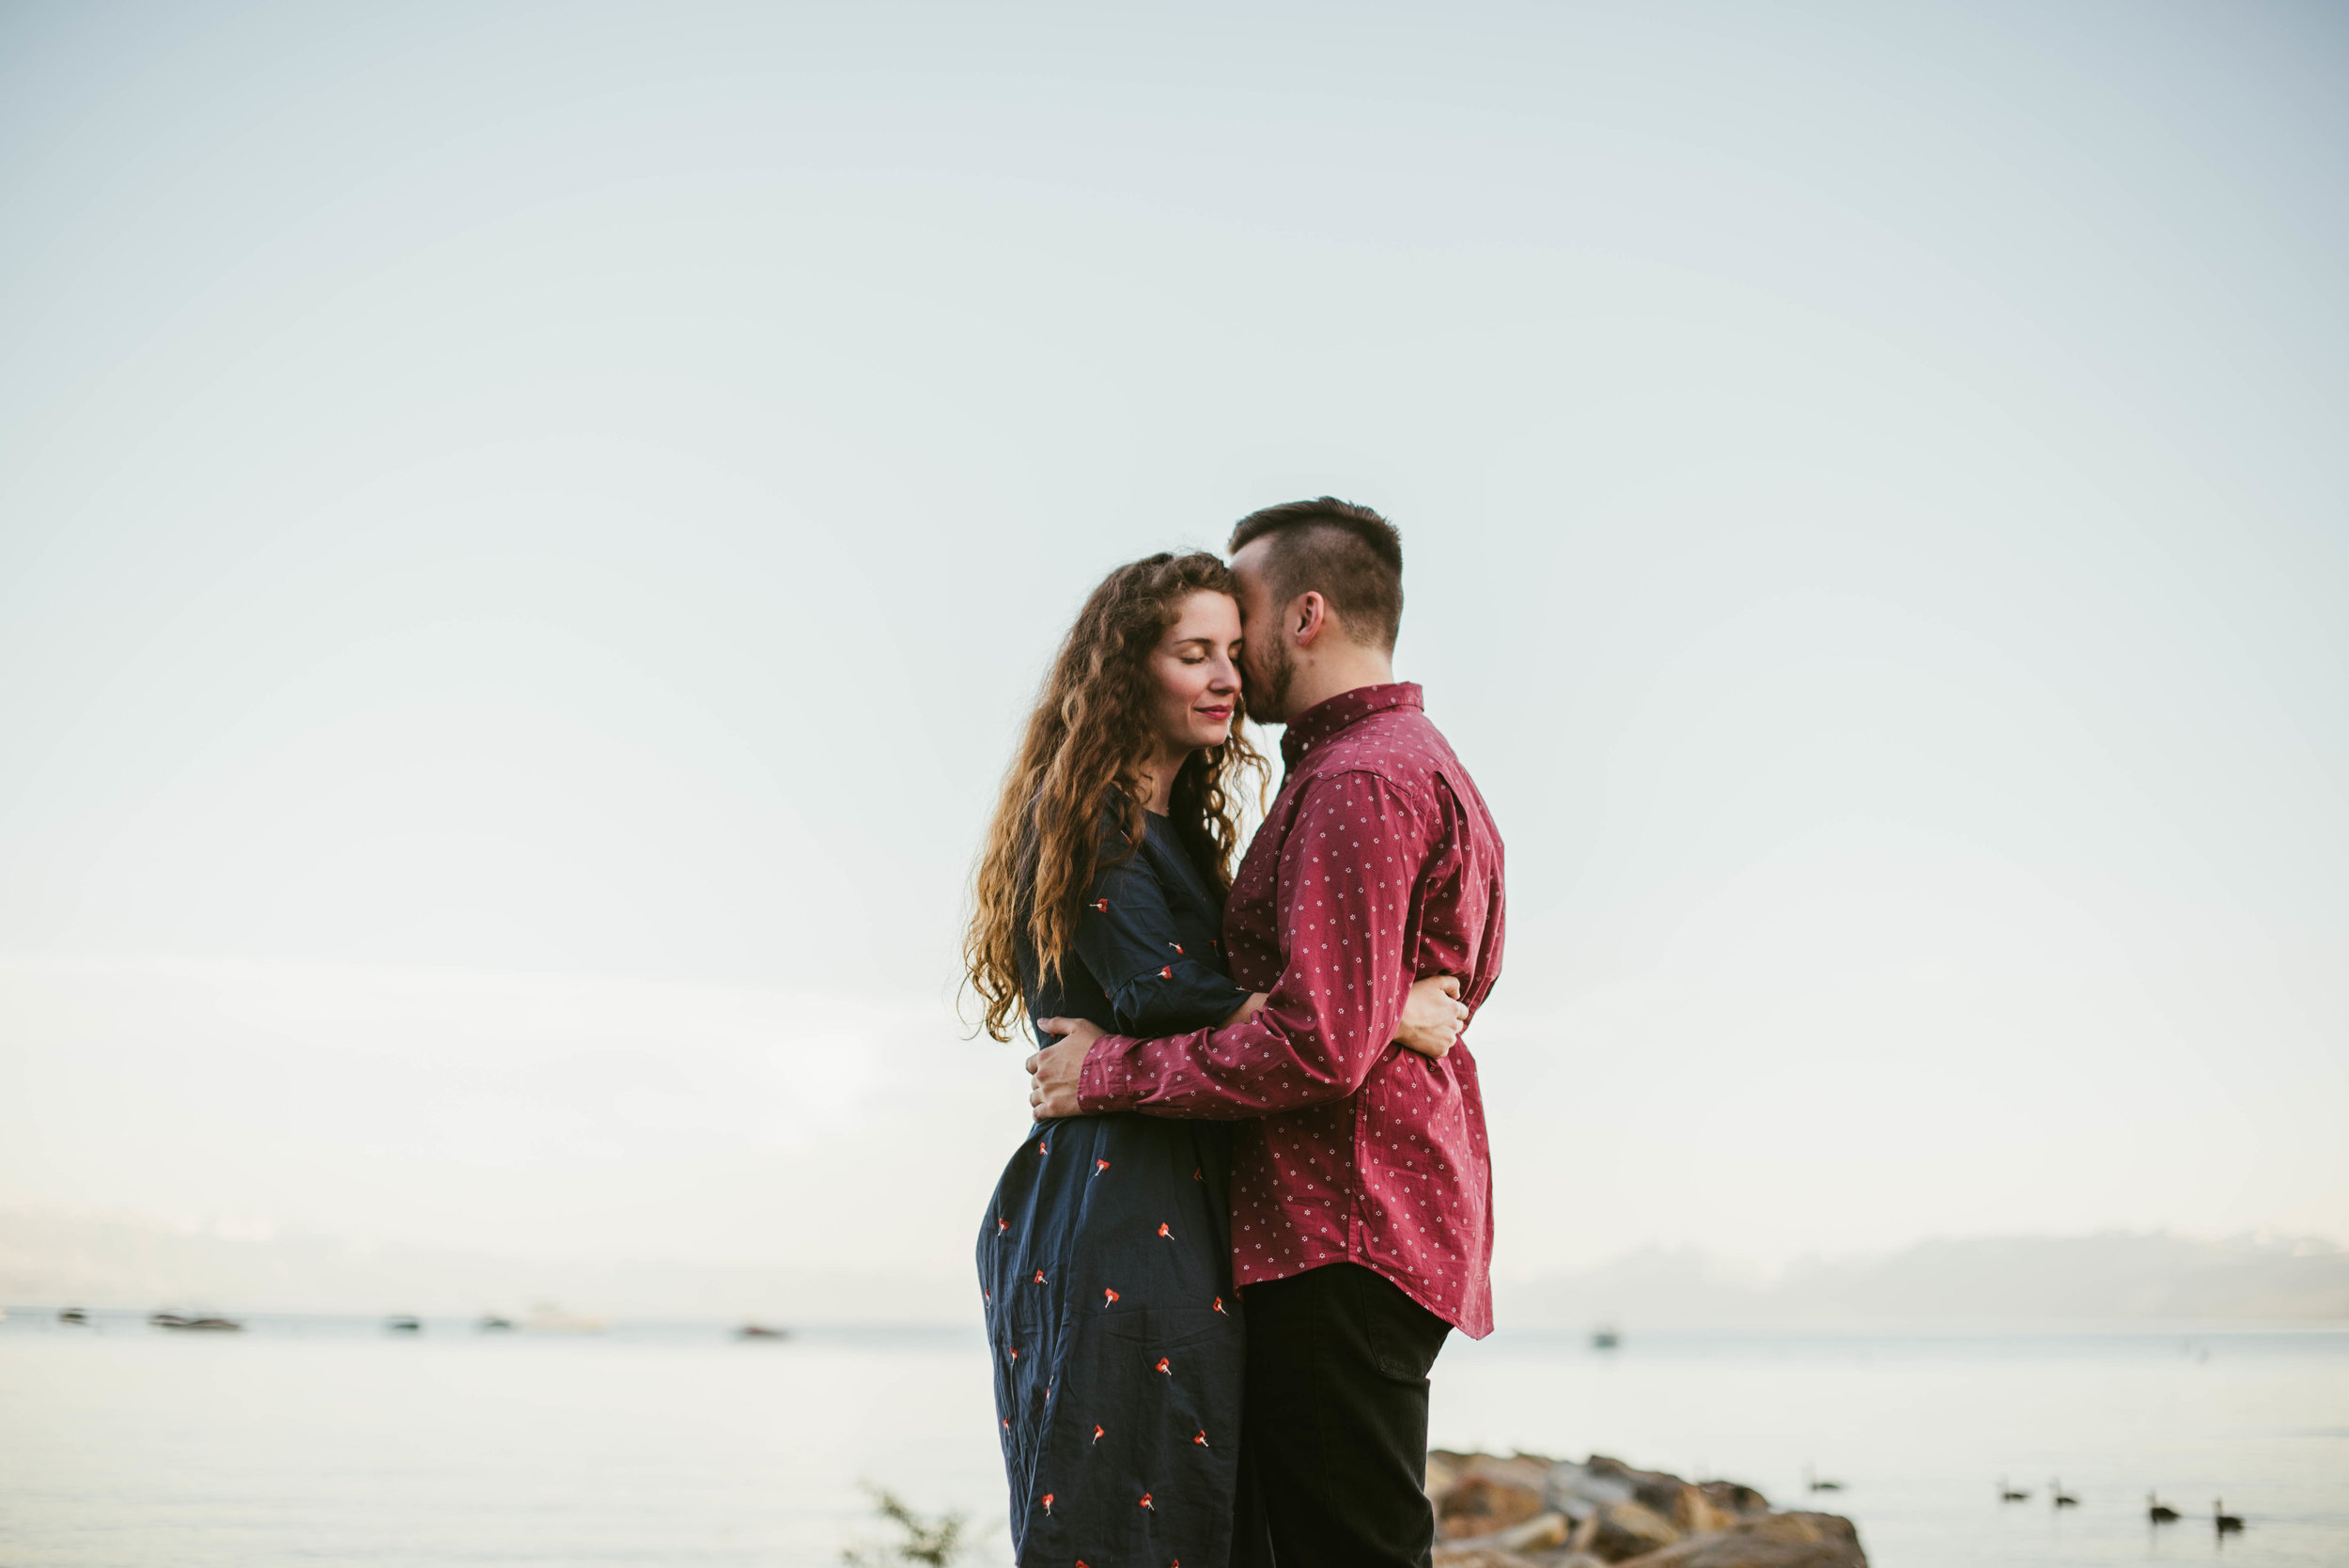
526,531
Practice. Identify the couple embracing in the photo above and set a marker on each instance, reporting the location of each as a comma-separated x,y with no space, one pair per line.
1255,1199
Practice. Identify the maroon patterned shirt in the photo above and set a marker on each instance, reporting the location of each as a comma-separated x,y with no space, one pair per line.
1378,867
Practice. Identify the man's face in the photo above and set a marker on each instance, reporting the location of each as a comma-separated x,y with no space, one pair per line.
1266,664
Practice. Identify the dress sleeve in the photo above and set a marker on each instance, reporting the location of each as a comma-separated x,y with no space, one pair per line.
1348,870
1125,935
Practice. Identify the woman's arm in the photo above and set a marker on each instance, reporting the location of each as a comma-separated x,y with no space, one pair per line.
1432,1016
1125,935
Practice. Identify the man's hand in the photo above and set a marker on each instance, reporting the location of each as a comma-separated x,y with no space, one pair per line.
1054,1070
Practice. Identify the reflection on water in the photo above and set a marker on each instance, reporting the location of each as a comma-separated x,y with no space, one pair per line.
308,1439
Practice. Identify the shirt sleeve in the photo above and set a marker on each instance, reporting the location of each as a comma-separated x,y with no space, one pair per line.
1125,935
1346,874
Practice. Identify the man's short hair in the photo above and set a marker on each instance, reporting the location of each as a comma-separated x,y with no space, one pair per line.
1348,554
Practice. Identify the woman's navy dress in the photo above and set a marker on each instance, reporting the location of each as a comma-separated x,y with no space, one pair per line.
1106,1260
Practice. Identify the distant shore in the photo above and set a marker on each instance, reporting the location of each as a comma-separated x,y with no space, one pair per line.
2096,1283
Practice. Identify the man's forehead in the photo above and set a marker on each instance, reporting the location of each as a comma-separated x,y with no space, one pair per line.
1248,565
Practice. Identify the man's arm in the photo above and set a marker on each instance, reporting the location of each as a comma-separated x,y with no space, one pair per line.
1347,871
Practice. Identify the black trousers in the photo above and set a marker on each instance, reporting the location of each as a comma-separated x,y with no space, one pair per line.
1335,1419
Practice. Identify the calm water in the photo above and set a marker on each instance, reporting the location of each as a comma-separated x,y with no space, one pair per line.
317,1440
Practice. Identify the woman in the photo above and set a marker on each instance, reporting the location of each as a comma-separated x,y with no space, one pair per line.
1105,1256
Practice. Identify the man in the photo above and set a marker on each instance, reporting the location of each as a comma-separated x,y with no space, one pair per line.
1362,1228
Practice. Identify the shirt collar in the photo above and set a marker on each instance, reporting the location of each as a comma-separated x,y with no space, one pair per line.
1326,718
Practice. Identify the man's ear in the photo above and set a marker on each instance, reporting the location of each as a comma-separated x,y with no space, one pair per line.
1309,613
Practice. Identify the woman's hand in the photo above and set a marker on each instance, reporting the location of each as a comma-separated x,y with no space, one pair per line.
1432,1016
1246,1010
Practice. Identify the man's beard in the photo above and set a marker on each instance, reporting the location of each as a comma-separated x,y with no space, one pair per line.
1267,697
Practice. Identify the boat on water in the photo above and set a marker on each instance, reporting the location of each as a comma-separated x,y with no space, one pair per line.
547,1318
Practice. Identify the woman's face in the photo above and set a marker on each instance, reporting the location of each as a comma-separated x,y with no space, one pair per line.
1196,665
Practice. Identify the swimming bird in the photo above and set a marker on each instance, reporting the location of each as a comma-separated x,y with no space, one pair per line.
2008,1493
2062,1498
1810,1479
2228,1524
2158,1511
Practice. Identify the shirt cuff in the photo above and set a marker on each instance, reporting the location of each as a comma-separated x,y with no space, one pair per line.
1103,1083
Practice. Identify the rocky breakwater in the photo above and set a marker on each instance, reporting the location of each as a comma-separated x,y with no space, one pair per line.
1527,1511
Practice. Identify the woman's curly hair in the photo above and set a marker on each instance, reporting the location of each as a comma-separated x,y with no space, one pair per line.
1083,751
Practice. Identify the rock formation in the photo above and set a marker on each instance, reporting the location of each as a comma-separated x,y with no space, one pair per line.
1527,1511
